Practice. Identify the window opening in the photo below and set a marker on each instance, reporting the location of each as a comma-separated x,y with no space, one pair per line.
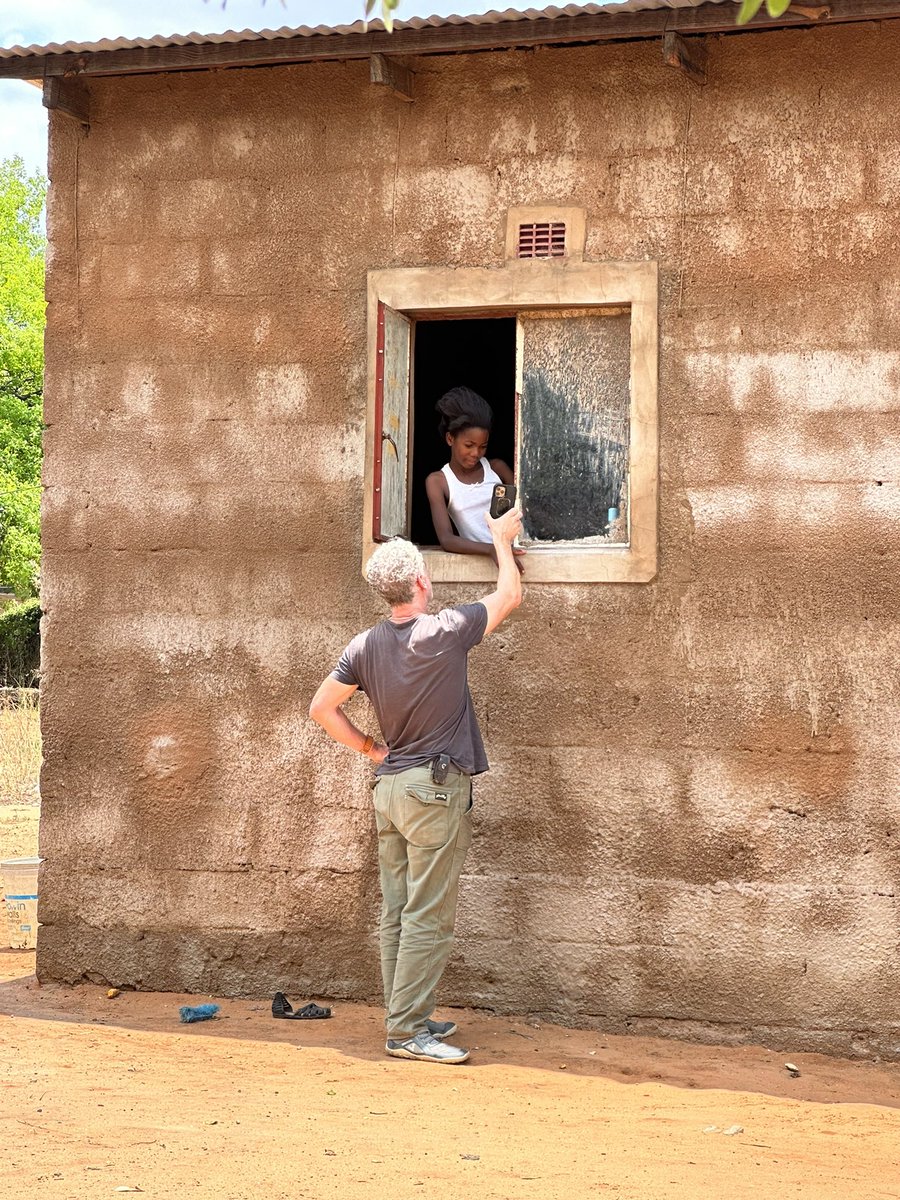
479,353
542,239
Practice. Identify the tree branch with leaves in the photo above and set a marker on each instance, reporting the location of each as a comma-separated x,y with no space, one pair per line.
388,8
749,9
22,308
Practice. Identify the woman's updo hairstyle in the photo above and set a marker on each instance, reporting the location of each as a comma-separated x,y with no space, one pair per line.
461,408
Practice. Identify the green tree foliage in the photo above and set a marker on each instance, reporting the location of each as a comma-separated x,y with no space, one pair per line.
21,373
749,9
20,644
387,11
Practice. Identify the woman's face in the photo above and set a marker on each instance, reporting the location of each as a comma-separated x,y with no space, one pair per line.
469,446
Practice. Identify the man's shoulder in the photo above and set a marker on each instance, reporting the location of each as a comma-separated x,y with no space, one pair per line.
461,617
466,609
361,640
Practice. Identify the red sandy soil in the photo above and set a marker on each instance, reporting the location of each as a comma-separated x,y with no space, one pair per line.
103,1094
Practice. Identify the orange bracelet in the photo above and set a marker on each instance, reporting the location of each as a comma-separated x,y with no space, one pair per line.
367,745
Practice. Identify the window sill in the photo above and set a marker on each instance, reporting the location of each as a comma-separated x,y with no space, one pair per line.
548,564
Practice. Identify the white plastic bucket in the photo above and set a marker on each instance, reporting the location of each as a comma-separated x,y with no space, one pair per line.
20,887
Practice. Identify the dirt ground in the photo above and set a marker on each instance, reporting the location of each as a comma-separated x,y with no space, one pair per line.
103,1096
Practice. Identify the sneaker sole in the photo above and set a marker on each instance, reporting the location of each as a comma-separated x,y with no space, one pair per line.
399,1052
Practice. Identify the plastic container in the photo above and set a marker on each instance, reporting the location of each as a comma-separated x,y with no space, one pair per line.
20,888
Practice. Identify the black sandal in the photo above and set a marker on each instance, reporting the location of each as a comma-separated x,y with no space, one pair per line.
281,1007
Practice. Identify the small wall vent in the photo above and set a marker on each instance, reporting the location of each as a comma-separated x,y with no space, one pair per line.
548,233
542,239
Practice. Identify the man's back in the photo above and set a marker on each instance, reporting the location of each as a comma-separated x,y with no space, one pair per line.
414,672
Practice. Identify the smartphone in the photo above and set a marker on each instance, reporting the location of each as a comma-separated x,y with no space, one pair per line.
503,499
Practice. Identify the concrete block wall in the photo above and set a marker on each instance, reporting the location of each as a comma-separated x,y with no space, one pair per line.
691,823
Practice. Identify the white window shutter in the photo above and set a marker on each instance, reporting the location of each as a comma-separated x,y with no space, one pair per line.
392,425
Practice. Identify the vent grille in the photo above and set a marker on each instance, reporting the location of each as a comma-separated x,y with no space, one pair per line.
542,239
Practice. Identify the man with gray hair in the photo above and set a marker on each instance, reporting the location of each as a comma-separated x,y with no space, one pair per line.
413,667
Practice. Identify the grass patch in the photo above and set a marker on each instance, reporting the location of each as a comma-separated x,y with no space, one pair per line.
20,748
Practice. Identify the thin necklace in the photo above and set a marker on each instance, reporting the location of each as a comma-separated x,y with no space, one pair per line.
474,483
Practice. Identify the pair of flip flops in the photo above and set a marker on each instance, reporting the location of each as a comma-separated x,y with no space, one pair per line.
282,1008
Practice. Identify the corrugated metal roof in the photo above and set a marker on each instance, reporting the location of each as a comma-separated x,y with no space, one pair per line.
358,27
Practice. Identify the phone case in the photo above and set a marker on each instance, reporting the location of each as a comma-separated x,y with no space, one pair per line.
502,499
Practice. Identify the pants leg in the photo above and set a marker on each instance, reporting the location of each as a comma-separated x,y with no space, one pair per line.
392,868
424,833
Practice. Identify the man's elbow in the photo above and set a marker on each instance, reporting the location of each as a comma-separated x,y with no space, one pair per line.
316,710
513,597
509,602
513,603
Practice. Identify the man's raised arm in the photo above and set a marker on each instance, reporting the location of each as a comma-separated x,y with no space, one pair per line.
508,594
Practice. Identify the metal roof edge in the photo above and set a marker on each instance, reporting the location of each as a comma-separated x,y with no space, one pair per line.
632,19
494,17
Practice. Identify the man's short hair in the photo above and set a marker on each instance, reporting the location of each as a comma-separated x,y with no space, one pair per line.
393,569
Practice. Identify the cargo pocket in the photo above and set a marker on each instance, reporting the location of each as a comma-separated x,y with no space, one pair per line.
427,815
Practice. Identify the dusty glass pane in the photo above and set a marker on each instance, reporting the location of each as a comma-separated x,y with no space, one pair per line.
573,433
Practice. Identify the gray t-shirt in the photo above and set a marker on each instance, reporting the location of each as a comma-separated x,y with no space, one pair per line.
414,672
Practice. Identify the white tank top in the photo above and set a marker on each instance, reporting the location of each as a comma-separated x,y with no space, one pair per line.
470,501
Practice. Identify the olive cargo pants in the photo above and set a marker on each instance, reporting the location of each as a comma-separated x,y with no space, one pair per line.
424,833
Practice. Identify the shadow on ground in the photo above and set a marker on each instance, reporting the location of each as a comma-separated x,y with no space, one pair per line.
356,1031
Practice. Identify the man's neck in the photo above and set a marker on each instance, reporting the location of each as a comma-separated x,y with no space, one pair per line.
404,612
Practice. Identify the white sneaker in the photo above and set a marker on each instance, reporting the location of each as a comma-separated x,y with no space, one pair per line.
427,1048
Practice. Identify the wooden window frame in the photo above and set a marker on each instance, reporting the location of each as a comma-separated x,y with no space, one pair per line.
518,286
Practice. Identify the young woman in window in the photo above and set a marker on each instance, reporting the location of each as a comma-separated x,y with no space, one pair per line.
460,493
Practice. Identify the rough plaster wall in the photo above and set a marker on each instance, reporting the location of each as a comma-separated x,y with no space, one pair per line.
692,828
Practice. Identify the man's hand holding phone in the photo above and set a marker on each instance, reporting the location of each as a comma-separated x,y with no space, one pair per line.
504,520
504,531
507,528
503,506
508,594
